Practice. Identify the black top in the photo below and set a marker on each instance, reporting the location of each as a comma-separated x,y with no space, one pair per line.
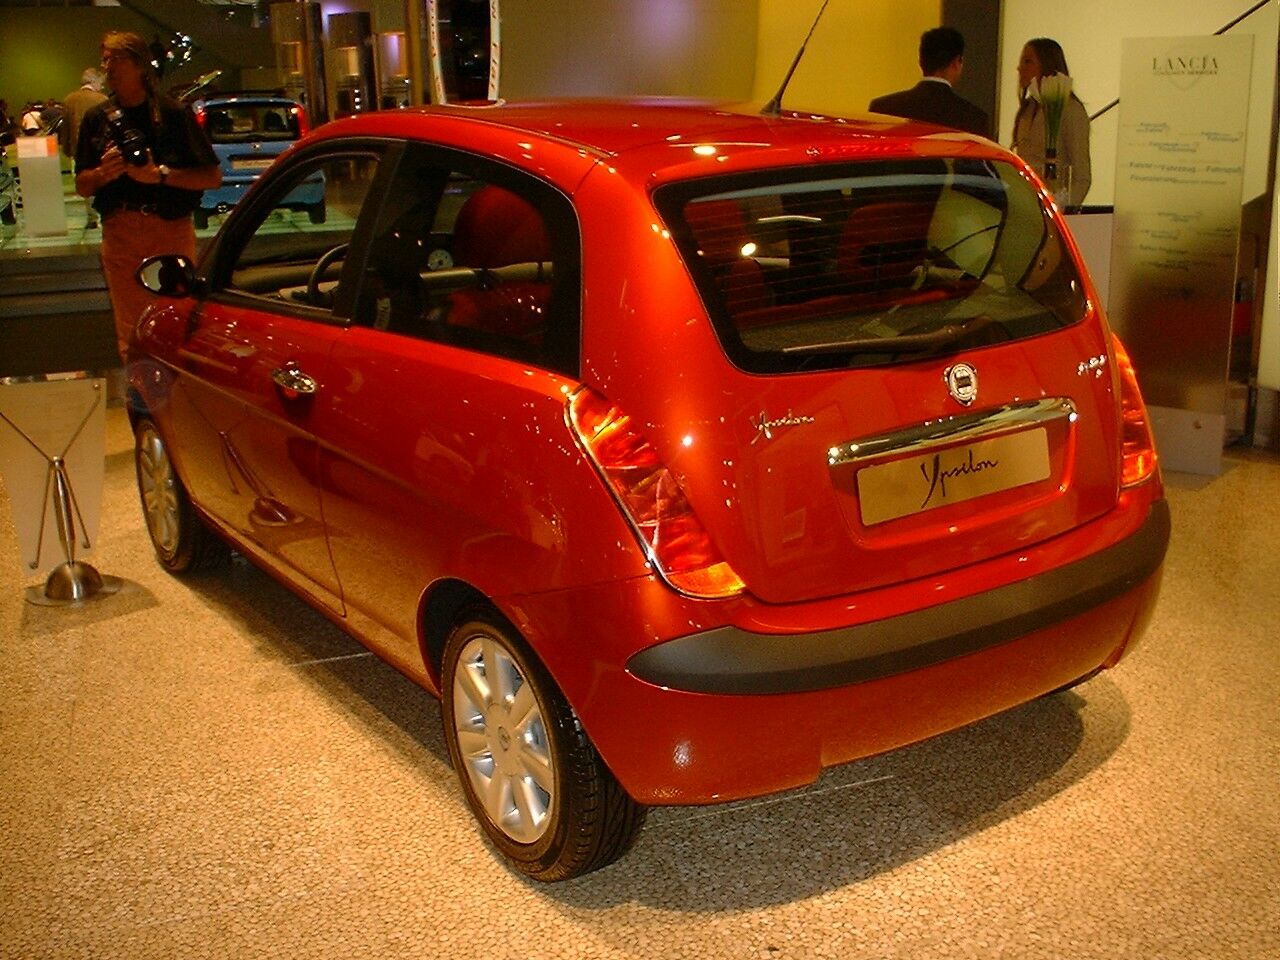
933,101
179,142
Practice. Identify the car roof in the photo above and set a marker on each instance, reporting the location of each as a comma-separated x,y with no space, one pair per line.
245,96
665,138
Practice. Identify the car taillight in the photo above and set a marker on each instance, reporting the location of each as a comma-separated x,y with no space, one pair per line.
200,118
650,496
300,113
1138,447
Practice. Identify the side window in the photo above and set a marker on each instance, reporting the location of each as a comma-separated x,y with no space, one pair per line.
478,257
288,257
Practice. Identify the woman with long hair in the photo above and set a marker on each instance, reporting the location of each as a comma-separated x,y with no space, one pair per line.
1042,58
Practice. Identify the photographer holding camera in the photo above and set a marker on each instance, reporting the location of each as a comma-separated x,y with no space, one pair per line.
145,161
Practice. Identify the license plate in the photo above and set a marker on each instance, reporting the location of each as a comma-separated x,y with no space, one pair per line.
916,484
251,163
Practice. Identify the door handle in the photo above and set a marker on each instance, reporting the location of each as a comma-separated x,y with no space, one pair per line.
293,381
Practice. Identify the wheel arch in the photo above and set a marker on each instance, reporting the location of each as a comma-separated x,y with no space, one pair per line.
441,609
135,407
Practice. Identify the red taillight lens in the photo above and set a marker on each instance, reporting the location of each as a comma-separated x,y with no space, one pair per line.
1138,447
200,118
652,500
300,112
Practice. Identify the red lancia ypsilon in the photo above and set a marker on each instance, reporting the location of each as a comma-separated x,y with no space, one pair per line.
682,451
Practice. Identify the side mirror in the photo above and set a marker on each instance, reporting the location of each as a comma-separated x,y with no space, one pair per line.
170,275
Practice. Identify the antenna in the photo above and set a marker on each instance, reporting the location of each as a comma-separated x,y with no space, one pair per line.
774,107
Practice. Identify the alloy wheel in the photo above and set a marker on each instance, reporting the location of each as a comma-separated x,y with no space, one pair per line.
158,486
502,740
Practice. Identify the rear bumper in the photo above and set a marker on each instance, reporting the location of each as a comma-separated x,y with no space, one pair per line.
729,660
724,711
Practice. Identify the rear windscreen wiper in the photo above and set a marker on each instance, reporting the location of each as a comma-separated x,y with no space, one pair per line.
903,343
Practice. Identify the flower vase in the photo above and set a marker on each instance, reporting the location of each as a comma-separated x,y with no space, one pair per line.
1057,180
1050,164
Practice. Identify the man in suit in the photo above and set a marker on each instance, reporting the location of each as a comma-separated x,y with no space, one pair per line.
932,99
74,106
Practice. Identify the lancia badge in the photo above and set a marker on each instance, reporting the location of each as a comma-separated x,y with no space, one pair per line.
962,383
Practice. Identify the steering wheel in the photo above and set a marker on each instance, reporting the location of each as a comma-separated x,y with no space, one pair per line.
317,273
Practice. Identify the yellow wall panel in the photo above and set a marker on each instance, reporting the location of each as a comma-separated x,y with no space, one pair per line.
859,51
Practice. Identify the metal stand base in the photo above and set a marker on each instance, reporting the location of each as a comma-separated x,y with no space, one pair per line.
72,583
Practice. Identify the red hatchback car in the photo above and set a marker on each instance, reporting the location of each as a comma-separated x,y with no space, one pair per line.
682,451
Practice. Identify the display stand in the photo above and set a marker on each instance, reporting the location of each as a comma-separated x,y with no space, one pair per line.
36,418
40,181
1184,115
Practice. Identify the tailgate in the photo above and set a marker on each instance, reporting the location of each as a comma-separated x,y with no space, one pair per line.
915,378
881,476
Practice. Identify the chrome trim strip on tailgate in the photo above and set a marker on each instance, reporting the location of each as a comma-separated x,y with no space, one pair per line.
949,430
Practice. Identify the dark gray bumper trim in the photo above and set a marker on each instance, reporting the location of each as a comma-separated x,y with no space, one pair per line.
728,660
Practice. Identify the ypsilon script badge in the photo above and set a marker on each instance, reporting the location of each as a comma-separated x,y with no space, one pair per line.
765,426
962,383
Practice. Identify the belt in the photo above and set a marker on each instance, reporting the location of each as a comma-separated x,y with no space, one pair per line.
150,209
146,209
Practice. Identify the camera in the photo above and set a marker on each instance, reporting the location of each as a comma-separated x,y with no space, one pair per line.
128,140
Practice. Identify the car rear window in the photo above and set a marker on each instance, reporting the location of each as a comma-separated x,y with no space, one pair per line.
872,263
249,122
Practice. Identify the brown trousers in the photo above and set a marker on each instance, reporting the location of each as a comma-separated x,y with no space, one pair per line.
128,238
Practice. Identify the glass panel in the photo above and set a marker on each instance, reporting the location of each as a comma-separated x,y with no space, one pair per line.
461,259
283,257
878,263
247,123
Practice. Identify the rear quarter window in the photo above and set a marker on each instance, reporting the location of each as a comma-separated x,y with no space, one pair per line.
873,263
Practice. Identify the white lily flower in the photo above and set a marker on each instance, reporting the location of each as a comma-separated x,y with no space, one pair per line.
1052,92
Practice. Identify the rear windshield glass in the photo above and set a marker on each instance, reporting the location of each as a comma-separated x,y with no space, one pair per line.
249,122
872,263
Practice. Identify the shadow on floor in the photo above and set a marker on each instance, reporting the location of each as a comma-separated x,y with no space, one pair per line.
285,628
865,818
857,821
46,622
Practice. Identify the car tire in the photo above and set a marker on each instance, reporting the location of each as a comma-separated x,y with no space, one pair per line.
530,774
201,218
182,542
317,212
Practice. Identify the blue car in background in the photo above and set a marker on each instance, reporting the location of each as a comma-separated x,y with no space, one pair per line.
248,131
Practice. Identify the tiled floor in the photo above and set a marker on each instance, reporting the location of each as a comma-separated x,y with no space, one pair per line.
206,768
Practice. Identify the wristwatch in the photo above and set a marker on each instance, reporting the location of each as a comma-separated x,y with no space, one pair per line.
163,171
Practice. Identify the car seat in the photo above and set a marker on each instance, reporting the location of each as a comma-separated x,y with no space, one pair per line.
882,244
720,231
497,228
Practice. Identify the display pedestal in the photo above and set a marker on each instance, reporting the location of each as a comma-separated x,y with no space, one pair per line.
1189,441
1180,161
51,432
40,180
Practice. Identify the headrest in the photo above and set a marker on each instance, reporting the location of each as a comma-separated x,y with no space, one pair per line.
495,227
719,229
884,241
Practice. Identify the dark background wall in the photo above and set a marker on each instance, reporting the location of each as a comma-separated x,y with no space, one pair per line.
46,48
979,21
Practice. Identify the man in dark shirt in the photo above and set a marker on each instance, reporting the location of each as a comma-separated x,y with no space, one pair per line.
932,99
145,161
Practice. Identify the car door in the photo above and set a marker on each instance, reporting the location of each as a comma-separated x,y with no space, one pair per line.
255,365
464,346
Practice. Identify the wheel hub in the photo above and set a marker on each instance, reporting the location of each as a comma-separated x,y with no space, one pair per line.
503,740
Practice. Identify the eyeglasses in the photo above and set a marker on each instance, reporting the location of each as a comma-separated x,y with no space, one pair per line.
109,58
